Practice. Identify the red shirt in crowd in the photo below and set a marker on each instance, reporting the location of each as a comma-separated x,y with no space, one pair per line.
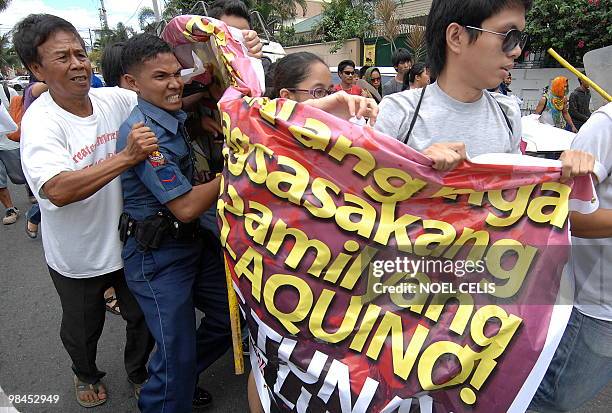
354,90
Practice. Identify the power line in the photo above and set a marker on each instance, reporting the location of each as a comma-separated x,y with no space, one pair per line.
135,12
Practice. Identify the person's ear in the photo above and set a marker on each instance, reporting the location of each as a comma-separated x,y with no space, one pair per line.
131,83
36,68
284,93
455,37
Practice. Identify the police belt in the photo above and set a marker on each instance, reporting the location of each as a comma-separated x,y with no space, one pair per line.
153,230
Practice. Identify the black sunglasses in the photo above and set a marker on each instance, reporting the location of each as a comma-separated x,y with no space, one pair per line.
348,73
512,38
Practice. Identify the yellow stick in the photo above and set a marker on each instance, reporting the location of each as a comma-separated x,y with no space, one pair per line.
235,323
572,69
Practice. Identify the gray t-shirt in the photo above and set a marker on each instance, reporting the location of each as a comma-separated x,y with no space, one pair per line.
592,258
392,86
480,125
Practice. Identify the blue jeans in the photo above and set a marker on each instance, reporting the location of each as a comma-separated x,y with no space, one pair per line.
33,214
162,282
580,368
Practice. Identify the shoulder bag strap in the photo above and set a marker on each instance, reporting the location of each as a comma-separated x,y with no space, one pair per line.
414,117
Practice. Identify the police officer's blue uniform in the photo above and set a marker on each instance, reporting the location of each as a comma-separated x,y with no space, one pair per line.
162,278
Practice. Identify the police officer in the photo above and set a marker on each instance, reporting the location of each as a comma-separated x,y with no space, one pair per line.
162,253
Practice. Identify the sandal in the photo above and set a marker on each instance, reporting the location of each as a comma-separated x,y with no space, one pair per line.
114,309
137,387
81,387
31,233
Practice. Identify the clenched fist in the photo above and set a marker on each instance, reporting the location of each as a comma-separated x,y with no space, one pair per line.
140,143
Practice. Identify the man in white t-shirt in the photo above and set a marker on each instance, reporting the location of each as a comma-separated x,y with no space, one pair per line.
10,165
68,138
582,364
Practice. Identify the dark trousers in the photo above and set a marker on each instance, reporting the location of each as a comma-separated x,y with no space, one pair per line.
83,313
214,335
162,282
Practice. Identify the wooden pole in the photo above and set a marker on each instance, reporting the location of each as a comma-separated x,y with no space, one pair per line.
235,323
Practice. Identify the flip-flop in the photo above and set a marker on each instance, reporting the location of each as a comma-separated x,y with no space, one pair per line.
80,387
114,309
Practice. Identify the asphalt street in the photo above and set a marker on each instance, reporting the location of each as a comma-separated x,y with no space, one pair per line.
33,361
32,358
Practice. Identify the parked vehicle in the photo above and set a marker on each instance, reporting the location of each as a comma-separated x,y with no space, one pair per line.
18,83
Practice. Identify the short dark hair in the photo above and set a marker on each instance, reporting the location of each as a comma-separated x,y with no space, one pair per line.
290,71
417,69
363,70
140,48
237,8
465,13
34,30
401,55
344,64
112,69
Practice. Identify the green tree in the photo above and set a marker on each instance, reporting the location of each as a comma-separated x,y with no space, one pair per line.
146,17
273,12
345,19
571,27
120,34
8,56
4,4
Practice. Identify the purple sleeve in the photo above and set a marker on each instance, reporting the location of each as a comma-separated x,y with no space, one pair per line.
28,98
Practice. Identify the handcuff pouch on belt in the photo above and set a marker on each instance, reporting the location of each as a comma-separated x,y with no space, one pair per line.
151,231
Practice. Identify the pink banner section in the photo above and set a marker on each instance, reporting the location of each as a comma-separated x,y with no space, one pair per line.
212,41
369,279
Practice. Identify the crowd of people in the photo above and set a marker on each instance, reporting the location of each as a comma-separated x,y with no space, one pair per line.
122,155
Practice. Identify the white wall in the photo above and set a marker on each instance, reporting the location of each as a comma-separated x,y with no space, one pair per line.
598,64
350,50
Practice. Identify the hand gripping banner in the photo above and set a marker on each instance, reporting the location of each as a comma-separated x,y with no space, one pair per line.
372,283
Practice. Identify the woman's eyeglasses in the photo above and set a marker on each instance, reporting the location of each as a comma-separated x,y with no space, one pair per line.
375,79
316,93
512,38
348,73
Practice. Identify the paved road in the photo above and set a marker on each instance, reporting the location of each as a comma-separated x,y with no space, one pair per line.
33,361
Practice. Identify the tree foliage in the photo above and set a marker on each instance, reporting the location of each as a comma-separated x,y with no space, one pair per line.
4,4
273,12
120,34
146,17
343,20
8,56
571,27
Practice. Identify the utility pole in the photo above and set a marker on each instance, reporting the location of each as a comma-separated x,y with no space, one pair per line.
103,18
90,40
156,11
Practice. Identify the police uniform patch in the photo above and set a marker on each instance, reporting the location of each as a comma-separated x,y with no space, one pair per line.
167,177
156,159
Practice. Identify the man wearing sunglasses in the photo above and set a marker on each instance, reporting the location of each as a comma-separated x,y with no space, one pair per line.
472,47
348,76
